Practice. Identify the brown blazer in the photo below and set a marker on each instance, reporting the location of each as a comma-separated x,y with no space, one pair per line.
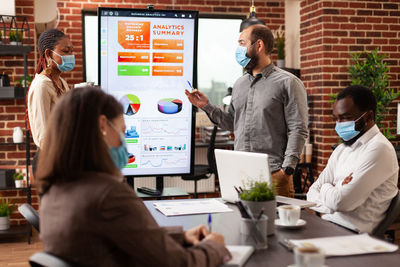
99,221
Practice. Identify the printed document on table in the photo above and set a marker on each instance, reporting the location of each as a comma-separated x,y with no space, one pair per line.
176,208
347,245
240,254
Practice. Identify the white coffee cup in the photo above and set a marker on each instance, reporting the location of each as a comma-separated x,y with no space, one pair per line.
289,214
308,257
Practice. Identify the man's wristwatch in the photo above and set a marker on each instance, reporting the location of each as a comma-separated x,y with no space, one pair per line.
288,170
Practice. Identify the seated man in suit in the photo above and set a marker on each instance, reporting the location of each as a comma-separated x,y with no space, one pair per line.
357,185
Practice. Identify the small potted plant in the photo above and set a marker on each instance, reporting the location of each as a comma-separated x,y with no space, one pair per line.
5,211
259,195
19,179
280,46
15,37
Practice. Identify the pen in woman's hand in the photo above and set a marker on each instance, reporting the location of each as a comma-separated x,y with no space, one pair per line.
209,223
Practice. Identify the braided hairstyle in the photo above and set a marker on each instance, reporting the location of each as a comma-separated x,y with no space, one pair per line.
47,40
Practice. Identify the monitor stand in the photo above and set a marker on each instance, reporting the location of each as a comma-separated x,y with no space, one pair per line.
165,191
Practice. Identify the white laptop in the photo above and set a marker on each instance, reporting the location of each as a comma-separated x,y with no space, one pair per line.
236,168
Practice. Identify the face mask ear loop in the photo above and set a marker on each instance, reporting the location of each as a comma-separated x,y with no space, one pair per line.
360,116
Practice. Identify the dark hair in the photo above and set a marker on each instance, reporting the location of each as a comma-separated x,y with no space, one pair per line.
362,97
73,143
264,34
47,40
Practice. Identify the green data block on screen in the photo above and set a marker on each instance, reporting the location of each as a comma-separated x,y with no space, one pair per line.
131,166
124,70
131,141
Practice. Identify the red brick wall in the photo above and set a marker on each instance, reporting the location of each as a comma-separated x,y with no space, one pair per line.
330,31
12,111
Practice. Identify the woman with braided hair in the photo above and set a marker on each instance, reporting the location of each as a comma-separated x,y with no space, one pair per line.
55,57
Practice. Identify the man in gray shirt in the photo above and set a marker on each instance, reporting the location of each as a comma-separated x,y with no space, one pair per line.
268,110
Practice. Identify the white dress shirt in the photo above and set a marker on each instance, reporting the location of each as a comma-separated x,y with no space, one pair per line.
361,204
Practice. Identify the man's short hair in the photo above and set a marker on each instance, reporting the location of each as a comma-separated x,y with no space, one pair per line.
363,98
263,33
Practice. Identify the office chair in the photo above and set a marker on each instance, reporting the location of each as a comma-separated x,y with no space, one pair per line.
30,214
392,213
202,171
44,259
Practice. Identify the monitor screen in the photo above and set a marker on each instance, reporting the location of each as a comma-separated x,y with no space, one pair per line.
147,58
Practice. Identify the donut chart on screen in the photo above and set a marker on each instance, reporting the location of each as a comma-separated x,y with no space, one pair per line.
130,103
169,105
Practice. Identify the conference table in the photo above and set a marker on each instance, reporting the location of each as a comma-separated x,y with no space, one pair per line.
277,255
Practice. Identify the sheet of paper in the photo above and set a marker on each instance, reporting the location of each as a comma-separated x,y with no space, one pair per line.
176,208
240,254
347,245
294,201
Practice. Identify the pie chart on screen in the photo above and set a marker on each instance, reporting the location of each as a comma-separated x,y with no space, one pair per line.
169,105
130,103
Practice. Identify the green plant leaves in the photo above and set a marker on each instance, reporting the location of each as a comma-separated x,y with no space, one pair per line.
258,191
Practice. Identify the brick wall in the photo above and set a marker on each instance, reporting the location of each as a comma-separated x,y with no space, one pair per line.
330,31
12,111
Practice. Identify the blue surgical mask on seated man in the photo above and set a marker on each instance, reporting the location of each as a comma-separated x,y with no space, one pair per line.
119,154
241,57
346,129
68,62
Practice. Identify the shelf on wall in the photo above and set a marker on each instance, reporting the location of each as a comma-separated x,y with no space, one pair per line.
16,230
11,50
12,92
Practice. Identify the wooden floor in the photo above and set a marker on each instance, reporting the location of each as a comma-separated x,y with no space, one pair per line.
15,252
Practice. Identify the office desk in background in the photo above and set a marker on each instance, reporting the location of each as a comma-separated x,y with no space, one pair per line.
276,255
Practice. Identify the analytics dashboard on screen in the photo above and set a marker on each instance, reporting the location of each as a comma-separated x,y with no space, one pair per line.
147,60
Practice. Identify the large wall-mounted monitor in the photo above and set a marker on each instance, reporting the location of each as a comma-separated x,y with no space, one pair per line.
147,58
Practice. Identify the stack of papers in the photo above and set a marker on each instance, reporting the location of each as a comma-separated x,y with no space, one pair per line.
295,201
240,254
347,245
176,208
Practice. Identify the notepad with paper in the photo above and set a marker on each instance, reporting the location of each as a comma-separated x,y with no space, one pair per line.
240,254
347,245
176,208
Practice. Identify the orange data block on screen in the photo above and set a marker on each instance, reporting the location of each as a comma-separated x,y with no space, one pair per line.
133,57
168,44
168,57
167,71
134,34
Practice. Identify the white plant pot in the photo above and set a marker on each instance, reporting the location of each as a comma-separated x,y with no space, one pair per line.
269,210
13,43
19,183
18,135
280,63
4,223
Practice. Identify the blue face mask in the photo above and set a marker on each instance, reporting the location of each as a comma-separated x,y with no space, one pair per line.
119,154
68,62
346,129
241,57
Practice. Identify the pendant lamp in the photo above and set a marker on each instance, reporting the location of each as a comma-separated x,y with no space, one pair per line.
252,19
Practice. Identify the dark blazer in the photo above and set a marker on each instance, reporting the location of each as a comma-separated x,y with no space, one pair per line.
98,221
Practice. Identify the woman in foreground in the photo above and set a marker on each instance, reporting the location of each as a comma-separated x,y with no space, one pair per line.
87,215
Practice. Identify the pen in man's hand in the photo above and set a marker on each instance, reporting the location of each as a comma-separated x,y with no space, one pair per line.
190,84
209,222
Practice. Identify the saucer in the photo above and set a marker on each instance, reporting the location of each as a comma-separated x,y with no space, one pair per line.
300,223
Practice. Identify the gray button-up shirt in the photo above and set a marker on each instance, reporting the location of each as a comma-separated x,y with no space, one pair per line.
268,114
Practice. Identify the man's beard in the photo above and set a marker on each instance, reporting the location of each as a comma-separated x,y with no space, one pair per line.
254,59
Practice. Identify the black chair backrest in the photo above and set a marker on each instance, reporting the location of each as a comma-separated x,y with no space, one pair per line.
211,154
392,213
44,259
30,214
